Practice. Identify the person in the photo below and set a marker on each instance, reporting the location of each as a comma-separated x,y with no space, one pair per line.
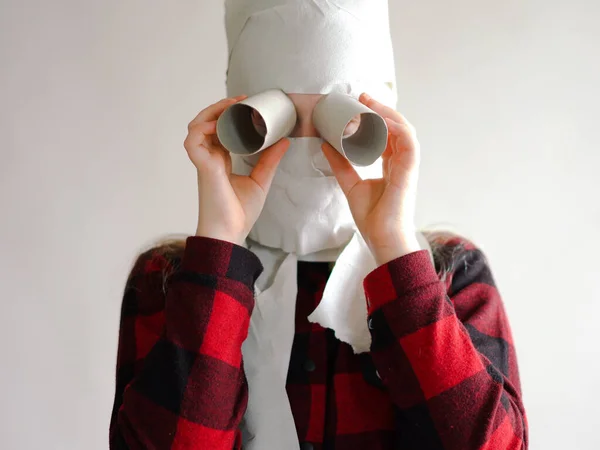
441,371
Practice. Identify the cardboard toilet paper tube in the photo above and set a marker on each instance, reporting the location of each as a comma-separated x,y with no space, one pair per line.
332,115
238,134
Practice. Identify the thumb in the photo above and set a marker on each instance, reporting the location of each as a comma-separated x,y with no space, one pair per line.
264,170
346,175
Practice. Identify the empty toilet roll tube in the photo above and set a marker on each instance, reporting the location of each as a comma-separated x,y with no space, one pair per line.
331,116
238,134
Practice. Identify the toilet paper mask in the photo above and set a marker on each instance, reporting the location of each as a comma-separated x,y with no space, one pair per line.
336,48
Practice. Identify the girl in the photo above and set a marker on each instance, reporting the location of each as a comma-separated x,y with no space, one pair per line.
441,371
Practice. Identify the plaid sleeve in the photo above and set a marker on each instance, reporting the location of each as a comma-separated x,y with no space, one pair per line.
445,352
180,381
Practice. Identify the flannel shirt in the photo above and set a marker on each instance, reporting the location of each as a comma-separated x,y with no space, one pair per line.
441,374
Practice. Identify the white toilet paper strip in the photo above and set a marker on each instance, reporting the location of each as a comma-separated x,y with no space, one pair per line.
268,422
343,307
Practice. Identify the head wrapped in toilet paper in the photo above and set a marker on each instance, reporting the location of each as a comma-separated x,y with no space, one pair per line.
308,47
304,47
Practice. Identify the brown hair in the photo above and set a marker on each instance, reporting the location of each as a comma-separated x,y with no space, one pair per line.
447,247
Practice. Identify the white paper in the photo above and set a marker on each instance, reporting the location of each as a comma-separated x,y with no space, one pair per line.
306,211
268,422
310,47
343,307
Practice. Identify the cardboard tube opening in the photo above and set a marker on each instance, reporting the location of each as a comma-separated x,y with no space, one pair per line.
331,117
359,146
238,133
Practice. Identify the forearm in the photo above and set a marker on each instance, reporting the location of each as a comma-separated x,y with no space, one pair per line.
426,358
191,387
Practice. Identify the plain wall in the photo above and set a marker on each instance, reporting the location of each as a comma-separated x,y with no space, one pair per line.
96,98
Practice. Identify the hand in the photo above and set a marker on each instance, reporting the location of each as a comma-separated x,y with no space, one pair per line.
384,209
229,204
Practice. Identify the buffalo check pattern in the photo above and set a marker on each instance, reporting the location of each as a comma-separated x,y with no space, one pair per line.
442,372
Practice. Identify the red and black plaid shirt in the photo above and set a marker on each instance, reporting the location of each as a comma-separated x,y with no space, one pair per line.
442,371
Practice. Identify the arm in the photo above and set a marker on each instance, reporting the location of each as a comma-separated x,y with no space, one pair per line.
446,355
180,381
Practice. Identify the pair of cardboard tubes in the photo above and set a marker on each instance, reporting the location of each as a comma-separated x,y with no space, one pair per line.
276,112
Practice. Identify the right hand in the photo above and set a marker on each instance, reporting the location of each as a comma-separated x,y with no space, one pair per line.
229,204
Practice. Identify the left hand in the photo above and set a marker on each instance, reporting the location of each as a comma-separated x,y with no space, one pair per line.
384,208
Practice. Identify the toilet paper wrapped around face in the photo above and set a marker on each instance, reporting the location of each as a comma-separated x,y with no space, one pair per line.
306,211
308,47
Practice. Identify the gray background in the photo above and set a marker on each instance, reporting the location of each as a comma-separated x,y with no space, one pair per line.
95,98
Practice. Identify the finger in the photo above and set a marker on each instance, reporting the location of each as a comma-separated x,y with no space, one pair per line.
403,132
402,122
404,142
209,127
345,174
198,132
215,110
381,109
264,170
